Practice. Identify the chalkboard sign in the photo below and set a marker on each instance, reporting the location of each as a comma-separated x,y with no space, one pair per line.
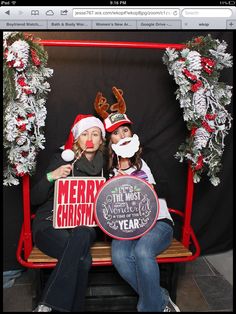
126,207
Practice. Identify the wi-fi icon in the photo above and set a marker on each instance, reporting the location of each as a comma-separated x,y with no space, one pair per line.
13,2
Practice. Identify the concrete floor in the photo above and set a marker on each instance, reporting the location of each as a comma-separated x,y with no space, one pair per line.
223,262
201,288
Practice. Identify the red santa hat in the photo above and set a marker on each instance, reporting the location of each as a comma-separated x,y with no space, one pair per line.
82,123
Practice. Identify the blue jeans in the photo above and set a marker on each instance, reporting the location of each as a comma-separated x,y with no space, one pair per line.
135,260
66,287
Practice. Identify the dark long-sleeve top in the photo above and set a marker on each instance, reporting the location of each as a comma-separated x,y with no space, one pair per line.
42,193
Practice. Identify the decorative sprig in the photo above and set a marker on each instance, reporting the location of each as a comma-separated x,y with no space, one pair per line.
25,88
196,70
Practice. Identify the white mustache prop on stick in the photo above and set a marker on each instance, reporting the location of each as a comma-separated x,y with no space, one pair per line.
126,147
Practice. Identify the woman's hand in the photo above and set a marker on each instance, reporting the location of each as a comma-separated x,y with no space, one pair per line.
61,172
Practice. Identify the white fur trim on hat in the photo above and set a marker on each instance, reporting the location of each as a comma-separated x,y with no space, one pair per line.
68,155
86,124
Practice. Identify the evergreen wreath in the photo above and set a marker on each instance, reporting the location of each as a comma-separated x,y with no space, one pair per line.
25,88
203,99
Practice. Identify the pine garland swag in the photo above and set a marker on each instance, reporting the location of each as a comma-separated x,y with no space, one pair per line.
196,70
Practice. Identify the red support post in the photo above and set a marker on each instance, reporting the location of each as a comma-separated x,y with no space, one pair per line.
27,235
188,208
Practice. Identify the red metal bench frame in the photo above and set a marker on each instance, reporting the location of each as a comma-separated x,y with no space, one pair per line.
188,237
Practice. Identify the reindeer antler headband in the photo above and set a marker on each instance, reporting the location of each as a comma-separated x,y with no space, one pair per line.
101,105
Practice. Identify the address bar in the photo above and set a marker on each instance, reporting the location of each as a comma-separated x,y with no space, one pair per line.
122,13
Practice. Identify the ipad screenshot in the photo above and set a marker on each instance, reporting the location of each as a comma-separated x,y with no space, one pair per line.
93,92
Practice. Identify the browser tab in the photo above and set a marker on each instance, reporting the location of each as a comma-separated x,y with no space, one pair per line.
69,25
159,24
204,24
114,24
25,25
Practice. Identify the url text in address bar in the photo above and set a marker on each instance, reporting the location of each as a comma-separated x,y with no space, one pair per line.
122,13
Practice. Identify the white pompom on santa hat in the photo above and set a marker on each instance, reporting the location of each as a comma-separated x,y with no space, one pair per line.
82,123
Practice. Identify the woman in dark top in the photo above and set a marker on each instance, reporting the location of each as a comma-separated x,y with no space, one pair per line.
66,287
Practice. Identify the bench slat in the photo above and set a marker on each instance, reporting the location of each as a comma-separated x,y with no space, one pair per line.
101,251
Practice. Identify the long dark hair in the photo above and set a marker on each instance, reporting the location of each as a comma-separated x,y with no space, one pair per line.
112,157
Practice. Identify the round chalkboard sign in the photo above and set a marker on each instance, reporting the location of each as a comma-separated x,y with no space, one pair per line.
126,207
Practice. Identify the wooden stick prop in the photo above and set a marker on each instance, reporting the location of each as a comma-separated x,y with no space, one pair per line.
77,158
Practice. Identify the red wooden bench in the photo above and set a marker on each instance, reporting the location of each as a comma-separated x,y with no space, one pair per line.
30,256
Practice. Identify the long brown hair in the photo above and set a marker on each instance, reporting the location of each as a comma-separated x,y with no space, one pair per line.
112,157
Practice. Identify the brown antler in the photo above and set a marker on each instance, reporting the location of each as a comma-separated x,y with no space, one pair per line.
101,106
120,105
